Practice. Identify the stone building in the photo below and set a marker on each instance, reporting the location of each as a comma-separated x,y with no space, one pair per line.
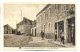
33,29
7,29
24,27
57,18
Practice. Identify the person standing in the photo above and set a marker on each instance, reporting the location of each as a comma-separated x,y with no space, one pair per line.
55,35
42,34
62,37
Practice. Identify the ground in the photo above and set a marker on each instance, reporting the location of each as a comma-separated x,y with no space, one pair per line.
12,40
38,42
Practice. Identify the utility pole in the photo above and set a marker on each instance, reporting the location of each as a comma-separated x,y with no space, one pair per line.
21,20
21,31
16,27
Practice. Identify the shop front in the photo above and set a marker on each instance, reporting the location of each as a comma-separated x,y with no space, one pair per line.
71,30
59,28
68,28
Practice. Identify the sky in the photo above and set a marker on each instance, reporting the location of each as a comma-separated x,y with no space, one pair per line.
12,12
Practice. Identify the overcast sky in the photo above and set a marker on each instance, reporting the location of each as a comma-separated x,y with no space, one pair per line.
12,12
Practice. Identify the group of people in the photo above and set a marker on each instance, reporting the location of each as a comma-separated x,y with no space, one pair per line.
61,36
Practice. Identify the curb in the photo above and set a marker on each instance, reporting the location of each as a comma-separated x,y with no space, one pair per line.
56,43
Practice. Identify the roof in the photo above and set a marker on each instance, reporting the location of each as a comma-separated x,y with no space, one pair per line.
27,21
8,26
43,9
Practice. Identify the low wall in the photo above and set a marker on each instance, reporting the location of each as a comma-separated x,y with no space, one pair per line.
47,35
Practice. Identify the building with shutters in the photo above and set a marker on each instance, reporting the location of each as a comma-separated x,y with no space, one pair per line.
8,29
24,27
57,18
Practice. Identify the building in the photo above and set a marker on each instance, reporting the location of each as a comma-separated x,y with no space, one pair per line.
7,29
14,31
24,27
57,18
33,29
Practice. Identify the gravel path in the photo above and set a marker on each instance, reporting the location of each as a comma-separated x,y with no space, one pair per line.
38,42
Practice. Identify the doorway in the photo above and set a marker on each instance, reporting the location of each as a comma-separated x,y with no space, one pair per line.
60,28
71,30
35,32
32,32
69,33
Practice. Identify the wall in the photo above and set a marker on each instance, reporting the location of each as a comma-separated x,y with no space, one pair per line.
7,29
47,18
59,12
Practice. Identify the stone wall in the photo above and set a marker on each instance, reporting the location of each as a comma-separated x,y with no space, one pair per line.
51,14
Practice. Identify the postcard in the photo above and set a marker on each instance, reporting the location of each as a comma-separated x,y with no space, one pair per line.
39,26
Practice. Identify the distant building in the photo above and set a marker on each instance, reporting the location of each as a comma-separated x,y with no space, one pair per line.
33,29
59,18
14,31
24,27
7,29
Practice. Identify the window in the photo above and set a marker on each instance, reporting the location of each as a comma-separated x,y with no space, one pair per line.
67,13
73,6
56,11
40,18
49,12
67,6
56,26
59,8
55,6
62,7
44,28
49,27
44,15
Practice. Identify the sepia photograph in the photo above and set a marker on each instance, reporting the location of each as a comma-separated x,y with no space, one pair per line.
39,25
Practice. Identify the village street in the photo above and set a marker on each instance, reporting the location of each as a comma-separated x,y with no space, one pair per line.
38,42
13,40
39,21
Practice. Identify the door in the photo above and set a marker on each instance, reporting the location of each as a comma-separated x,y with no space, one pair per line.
35,32
7,32
69,30
69,33
60,28
32,32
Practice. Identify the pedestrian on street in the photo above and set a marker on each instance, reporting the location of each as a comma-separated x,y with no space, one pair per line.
55,36
62,38
42,34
